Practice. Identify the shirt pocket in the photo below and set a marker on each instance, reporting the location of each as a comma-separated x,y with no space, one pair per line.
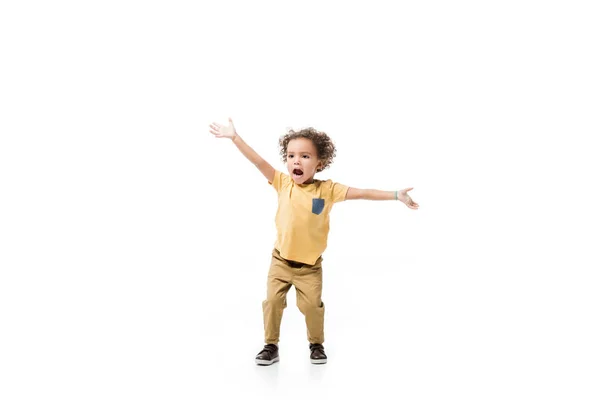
318,205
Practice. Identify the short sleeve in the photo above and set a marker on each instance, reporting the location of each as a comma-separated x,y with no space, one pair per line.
276,180
338,192
279,180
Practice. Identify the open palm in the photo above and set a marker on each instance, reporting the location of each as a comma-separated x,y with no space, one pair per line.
222,131
406,199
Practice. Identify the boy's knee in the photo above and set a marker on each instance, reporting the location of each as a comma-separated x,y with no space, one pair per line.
274,302
308,306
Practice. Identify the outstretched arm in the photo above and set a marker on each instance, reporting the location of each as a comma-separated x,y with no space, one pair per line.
229,132
373,194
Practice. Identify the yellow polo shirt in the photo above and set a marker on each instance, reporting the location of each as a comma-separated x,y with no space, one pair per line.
302,217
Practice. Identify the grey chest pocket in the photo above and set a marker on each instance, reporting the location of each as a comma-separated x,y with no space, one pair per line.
318,205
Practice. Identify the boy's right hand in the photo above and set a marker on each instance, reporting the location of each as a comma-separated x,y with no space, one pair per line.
221,131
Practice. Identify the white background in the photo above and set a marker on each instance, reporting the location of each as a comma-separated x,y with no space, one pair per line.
135,246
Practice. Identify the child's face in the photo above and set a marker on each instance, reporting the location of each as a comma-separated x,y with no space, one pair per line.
302,157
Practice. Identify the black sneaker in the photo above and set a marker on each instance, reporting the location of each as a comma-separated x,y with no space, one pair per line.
268,355
317,354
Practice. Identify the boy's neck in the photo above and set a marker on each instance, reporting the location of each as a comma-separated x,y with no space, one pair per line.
312,180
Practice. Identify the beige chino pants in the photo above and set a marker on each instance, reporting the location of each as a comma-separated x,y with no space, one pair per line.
307,279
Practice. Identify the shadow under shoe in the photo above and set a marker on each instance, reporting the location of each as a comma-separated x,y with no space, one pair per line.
317,354
268,355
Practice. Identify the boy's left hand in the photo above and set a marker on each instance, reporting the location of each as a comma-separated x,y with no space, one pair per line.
406,199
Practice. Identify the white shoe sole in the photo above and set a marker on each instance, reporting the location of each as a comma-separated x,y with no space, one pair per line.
267,362
324,361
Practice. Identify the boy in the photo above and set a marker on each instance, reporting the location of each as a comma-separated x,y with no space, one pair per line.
302,222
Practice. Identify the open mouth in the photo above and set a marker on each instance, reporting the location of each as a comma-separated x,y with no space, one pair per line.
297,172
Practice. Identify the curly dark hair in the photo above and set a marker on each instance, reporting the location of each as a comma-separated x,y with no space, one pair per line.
325,147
